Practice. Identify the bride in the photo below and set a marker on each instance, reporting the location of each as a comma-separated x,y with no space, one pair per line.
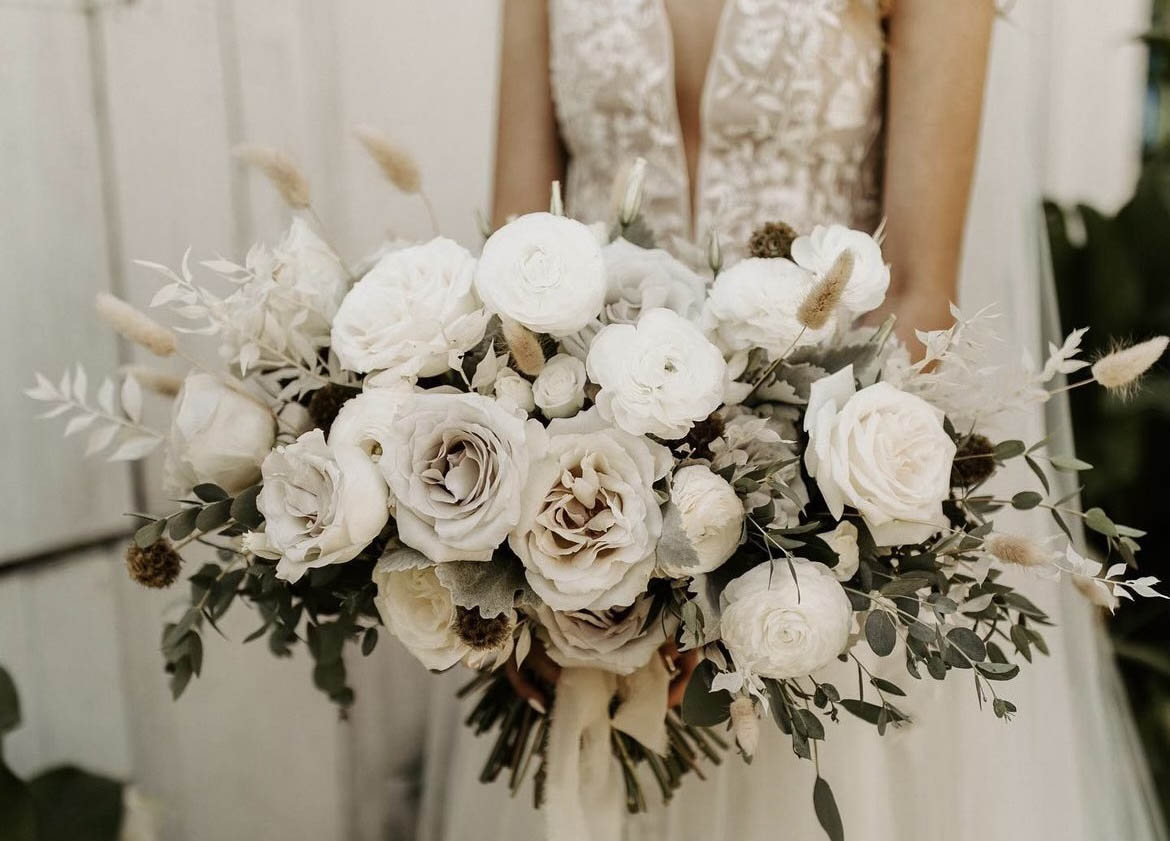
809,111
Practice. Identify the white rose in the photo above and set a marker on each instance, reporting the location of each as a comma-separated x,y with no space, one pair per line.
882,451
778,627
322,505
456,464
367,421
509,387
288,302
559,388
843,541
543,271
217,435
870,278
712,517
615,640
410,312
589,516
418,610
754,304
658,376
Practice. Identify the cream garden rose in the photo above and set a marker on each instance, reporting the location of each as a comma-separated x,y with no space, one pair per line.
658,376
754,304
322,505
882,451
870,278
843,541
410,312
590,519
456,464
616,640
712,517
367,420
779,626
217,435
513,389
419,612
559,388
544,272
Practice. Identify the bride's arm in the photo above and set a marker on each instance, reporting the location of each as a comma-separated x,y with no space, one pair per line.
528,149
937,62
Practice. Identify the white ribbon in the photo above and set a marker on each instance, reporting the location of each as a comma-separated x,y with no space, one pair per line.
584,792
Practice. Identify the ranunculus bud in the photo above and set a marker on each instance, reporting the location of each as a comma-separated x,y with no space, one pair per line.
559,390
632,197
712,517
217,436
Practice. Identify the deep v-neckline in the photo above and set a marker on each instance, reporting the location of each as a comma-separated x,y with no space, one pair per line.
692,197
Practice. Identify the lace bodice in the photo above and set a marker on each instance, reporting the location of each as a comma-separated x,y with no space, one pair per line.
790,114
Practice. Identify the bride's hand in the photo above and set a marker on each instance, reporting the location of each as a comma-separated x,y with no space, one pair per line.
914,313
536,679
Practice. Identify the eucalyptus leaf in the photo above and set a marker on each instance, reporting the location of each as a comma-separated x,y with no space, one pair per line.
880,633
1026,500
968,642
149,534
1005,450
1069,463
825,805
209,492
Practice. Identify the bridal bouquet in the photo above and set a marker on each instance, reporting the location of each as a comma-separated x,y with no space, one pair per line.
584,467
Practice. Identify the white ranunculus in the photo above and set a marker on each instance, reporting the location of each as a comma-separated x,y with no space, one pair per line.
589,516
410,312
559,388
543,271
456,464
882,451
754,304
418,610
870,278
843,541
780,627
217,435
615,640
511,388
640,279
658,376
288,302
712,517
367,420
322,505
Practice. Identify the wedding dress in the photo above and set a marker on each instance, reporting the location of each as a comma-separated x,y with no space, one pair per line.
791,131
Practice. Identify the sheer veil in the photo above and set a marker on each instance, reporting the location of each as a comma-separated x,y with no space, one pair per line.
1006,262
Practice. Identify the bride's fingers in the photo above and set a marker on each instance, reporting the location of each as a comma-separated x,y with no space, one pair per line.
525,688
686,662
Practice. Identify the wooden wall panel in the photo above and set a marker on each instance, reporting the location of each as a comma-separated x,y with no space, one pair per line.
54,258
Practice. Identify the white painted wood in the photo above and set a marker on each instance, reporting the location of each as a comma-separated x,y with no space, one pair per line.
59,640
54,255
1097,72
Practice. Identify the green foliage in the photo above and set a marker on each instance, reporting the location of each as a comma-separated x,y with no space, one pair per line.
701,707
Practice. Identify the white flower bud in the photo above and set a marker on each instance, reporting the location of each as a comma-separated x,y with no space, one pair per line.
632,199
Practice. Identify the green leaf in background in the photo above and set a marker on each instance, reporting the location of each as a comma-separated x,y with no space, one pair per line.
17,810
1005,450
1026,500
149,534
825,806
75,805
9,703
1069,463
210,493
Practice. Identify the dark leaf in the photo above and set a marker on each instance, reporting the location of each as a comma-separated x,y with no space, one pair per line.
9,703
1026,500
886,686
244,510
1039,471
18,818
1005,450
74,805
807,723
880,632
968,642
209,492
701,707
182,524
369,640
862,709
149,534
214,515
825,806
